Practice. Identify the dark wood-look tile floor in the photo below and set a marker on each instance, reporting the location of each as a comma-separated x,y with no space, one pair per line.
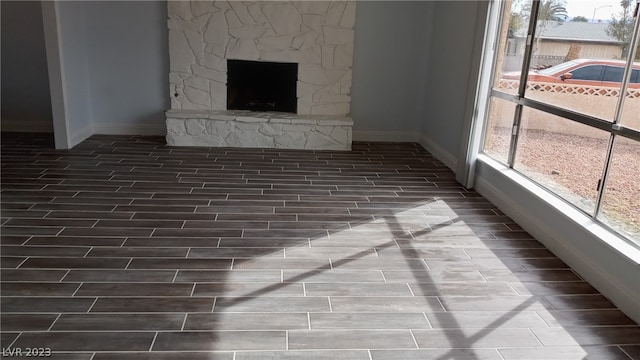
125,248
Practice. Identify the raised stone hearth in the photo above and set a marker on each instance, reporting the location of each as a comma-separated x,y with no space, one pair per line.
317,35
261,130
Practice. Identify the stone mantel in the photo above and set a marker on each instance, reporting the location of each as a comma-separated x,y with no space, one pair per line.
317,35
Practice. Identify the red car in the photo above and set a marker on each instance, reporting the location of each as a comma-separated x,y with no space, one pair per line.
583,72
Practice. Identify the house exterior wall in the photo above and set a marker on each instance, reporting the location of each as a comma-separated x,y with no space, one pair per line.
561,48
587,50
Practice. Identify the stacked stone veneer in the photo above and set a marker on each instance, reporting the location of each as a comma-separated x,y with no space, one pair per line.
240,128
317,35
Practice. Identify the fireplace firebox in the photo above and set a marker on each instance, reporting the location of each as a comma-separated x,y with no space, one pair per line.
261,86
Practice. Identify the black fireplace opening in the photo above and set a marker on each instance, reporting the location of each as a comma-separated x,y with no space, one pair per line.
261,86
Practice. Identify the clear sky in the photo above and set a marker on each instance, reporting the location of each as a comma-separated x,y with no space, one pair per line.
603,8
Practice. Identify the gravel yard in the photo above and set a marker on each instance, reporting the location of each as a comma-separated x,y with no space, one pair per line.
569,163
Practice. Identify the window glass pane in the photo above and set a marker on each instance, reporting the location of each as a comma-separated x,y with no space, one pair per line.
621,206
571,57
511,46
564,156
631,110
613,73
589,72
498,130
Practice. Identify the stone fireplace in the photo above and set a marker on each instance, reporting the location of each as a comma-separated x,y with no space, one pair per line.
261,74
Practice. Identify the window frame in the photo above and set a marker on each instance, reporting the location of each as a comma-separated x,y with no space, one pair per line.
486,91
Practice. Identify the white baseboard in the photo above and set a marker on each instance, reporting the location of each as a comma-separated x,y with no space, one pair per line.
438,152
131,129
403,136
27,125
613,270
385,136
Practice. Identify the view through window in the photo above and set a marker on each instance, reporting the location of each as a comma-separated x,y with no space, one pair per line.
565,103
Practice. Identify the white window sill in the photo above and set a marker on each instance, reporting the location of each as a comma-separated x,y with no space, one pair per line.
623,246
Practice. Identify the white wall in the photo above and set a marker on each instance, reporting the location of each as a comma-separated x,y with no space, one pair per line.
128,62
450,76
116,54
74,69
26,102
108,64
391,55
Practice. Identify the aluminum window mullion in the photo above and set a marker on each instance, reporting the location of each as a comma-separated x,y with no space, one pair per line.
528,50
515,132
524,73
569,114
605,176
588,120
628,133
505,96
619,107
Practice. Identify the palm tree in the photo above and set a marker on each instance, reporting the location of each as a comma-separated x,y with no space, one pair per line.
549,10
552,10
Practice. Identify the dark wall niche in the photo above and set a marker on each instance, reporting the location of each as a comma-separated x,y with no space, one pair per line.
261,86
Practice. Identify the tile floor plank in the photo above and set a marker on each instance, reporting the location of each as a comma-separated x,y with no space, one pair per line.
118,322
220,340
565,353
152,304
26,322
437,354
83,341
247,321
304,355
156,355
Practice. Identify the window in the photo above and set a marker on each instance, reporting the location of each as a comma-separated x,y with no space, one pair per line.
578,140
613,73
592,72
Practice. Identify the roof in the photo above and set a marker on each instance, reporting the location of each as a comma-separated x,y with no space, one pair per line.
577,31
